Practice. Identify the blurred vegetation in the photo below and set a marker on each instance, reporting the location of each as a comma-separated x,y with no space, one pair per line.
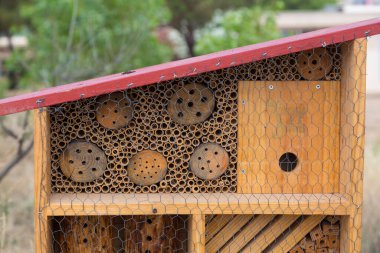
72,40
236,28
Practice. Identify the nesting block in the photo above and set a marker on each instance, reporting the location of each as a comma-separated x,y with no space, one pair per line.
83,161
83,234
288,135
314,64
191,104
209,161
114,110
156,233
147,167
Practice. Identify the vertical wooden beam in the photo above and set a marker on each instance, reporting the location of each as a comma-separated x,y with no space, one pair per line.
42,181
197,234
352,139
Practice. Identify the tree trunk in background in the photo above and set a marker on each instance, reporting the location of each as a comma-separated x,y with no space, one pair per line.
190,41
11,74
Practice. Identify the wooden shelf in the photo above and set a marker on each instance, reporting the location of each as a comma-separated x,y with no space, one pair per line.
181,203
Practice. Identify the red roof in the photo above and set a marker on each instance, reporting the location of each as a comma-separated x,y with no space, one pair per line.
188,67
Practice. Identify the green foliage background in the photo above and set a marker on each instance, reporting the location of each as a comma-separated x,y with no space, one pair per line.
74,40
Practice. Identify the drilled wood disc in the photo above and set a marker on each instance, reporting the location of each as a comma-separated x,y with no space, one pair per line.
314,64
114,111
83,162
147,167
209,161
191,104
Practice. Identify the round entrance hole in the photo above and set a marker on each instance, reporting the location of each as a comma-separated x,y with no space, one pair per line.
288,162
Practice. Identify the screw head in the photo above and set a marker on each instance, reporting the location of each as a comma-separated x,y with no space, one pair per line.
318,86
270,87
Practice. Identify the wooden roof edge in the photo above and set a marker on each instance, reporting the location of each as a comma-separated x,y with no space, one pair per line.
188,67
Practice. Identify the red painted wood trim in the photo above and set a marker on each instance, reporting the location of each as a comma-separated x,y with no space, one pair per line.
188,67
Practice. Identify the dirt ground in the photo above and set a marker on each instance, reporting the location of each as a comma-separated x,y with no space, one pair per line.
16,192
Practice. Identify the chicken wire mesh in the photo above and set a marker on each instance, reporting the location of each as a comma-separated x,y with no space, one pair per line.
260,157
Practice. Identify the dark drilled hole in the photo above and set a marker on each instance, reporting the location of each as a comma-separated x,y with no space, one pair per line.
288,162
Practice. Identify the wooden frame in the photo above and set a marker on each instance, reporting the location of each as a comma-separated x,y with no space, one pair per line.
347,201
42,168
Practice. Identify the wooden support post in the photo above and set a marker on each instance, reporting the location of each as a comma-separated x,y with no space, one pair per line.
197,234
352,140
43,242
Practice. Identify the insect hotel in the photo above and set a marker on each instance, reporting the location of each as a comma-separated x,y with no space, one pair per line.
255,149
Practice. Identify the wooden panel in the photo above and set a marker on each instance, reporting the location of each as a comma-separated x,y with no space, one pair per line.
155,233
248,233
42,191
270,234
217,223
84,234
197,233
297,234
227,232
301,117
352,139
181,203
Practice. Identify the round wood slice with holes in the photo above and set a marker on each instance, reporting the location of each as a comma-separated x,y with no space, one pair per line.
147,167
114,111
209,161
314,64
83,162
191,104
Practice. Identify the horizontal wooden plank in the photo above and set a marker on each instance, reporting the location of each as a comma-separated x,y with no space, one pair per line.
188,67
180,203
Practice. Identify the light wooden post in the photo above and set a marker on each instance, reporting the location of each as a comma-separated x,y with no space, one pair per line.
42,181
352,140
197,233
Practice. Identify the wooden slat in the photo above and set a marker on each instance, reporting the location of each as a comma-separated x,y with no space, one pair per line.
197,239
227,232
217,223
248,233
299,232
270,234
352,139
183,203
42,190
301,117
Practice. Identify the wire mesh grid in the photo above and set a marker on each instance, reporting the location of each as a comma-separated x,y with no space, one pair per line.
261,157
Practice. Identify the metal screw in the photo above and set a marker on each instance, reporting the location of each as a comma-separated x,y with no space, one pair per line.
318,86
270,87
243,171
154,210
243,101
